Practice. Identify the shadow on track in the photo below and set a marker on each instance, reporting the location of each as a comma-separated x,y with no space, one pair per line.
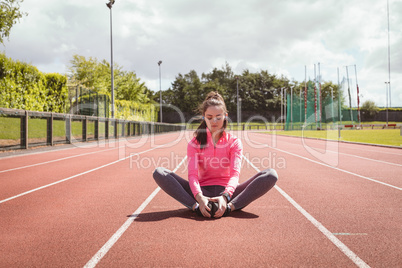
186,214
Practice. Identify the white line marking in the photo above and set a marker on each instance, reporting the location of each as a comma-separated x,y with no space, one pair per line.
60,159
72,177
342,170
109,244
56,160
350,254
340,142
365,158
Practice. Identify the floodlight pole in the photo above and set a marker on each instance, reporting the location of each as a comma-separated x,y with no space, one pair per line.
160,89
350,97
389,59
305,94
291,107
109,5
281,105
386,93
237,102
339,101
319,90
358,98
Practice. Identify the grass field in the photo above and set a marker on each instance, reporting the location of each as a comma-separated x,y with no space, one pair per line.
374,136
10,130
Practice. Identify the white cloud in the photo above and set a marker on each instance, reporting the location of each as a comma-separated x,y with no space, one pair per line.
281,36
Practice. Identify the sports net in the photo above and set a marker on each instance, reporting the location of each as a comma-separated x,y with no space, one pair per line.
310,109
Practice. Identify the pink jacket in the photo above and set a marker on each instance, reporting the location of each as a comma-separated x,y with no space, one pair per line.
214,165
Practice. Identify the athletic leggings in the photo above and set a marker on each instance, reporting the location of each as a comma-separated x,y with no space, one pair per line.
245,193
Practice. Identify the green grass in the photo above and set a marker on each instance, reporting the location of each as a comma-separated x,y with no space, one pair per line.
234,126
10,128
373,136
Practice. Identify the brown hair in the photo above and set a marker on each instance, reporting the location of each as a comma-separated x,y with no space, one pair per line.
212,99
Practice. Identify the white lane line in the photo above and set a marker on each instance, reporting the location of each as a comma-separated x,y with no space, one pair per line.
365,158
336,168
56,160
345,250
77,175
109,244
340,142
60,159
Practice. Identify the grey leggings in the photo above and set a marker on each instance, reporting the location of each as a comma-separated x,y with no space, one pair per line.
245,193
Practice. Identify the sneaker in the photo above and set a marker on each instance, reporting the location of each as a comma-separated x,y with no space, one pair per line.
227,211
198,211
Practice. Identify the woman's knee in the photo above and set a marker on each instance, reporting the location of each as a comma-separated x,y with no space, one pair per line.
160,173
270,175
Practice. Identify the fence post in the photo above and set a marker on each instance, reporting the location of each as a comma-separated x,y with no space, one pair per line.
84,129
97,128
68,129
24,130
123,128
49,131
116,131
107,129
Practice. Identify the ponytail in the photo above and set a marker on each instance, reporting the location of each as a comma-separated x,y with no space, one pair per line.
201,134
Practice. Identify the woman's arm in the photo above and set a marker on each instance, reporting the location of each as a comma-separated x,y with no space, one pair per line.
192,156
236,152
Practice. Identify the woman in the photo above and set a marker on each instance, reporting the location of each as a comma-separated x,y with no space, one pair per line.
214,161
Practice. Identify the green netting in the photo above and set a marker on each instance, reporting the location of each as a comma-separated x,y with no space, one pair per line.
302,112
84,101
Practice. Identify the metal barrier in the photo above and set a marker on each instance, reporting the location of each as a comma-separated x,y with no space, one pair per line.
48,129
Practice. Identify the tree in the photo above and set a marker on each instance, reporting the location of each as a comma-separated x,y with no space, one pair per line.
369,109
9,15
95,75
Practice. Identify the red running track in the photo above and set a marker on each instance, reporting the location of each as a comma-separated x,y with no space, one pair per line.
335,204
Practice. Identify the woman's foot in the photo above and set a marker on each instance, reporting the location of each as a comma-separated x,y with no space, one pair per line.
196,208
229,208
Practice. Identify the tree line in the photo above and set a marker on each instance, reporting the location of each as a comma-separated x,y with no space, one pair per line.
259,92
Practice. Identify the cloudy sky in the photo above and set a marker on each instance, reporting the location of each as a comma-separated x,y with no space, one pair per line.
279,36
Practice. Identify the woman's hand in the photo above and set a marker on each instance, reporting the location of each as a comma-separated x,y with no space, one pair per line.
222,204
203,203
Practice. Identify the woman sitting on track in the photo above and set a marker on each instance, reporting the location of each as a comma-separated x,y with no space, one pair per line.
214,161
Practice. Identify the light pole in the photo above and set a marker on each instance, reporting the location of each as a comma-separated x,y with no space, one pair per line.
386,99
160,88
389,60
109,5
291,107
237,101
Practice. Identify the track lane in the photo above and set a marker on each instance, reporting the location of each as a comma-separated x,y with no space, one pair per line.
21,181
259,235
377,171
70,221
391,155
66,224
18,162
364,214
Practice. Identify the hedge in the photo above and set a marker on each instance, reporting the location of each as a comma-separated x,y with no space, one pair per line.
23,86
131,110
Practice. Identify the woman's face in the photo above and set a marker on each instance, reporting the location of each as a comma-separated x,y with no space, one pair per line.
214,117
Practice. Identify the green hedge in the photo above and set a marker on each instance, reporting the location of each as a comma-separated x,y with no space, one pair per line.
135,111
390,109
23,86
